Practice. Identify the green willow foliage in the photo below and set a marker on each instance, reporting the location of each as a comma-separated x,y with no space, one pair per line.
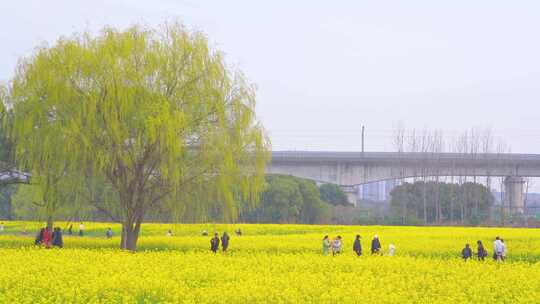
155,113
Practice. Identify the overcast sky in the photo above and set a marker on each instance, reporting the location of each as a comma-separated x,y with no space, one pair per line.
325,68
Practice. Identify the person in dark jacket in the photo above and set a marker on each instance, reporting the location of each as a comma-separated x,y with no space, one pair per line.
481,253
375,245
70,229
57,240
224,241
214,243
357,247
466,253
39,237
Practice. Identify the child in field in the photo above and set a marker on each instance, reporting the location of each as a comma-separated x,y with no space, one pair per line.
325,245
336,245
169,232
357,247
375,245
391,250
466,253
214,243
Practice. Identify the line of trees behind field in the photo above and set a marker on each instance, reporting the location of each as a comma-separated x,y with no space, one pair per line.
289,199
286,199
471,188
466,203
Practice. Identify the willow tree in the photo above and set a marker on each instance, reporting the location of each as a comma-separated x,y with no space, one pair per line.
155,113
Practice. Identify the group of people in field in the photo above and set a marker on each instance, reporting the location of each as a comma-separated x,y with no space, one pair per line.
48,238
81,229
499,251
336,246
215,242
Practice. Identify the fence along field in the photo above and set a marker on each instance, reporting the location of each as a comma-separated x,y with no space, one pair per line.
268,263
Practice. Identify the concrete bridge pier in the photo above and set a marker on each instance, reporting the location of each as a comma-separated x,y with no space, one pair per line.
515,198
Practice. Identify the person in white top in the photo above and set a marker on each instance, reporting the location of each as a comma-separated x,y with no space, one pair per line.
2,226
498,249
336,245
81,229
391,250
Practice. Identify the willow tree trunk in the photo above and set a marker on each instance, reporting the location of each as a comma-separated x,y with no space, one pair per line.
50,222
130,235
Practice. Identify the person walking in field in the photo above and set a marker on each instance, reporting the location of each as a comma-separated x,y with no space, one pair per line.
466,253
57,240
2,227
81,229
503,254
325,245
357,247
214,243
336,245
375,245
498,248
109,233
391,250
47,237
70,229
224,241
481,251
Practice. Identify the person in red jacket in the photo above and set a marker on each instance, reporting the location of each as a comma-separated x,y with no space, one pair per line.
47,237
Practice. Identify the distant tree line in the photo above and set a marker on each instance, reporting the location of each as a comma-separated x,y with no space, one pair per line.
285,199
288,199
438,202
430,143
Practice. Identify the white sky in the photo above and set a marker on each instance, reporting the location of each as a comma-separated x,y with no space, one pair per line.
325,68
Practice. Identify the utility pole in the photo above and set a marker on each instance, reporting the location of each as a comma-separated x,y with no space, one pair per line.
363,133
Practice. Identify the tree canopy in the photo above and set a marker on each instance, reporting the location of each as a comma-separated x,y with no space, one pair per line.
333,194
156,114
288,199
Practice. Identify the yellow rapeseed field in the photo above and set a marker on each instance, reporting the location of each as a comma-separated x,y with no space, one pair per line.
268,264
